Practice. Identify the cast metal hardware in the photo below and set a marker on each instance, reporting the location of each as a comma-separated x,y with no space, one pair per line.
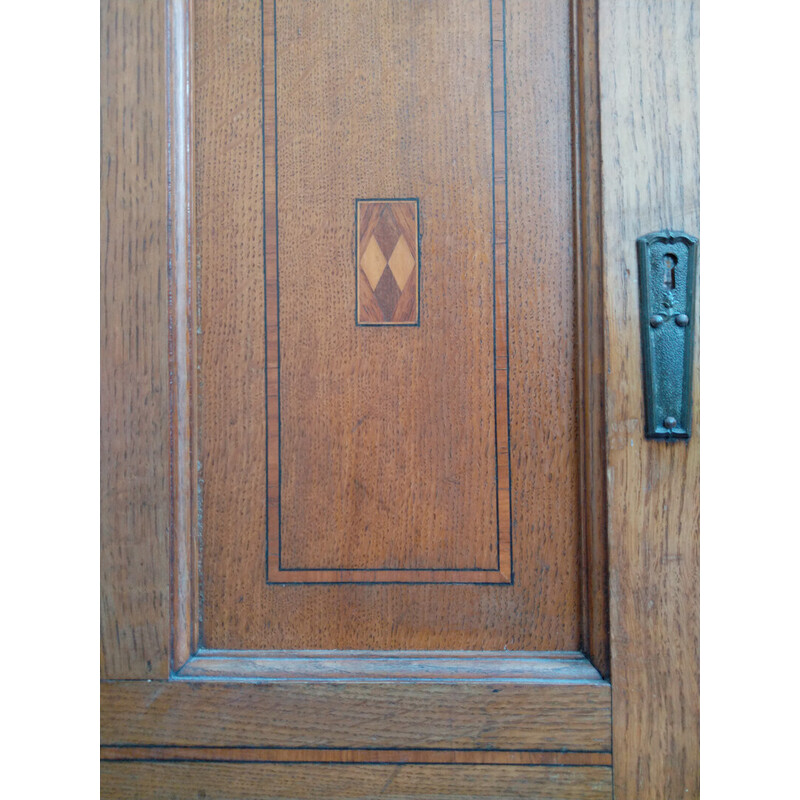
667,268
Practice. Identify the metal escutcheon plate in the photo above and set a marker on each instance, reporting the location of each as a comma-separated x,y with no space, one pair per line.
667,269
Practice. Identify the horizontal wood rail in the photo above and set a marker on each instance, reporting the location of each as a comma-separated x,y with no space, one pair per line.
215,781
362,714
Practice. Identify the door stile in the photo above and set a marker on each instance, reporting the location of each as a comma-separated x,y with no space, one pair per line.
649,104
134,434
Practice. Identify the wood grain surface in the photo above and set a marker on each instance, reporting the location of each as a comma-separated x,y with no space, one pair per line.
651,181
134,385
349,782
326,442
648,117
465,715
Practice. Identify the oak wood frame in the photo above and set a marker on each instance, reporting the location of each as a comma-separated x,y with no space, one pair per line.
649,120
655,713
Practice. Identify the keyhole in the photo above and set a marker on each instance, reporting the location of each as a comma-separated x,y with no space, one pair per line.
670,262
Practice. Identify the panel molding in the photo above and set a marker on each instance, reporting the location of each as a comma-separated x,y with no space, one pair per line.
184,528
405,665
588,235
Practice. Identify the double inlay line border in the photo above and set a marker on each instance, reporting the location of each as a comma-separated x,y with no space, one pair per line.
503,572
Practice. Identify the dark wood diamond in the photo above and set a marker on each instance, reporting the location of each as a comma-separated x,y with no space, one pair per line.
387,293
387,231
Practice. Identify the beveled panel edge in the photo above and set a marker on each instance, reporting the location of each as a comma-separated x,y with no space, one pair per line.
590,339
409,666
184,529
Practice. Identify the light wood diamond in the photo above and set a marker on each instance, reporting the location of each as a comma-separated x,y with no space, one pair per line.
402,262
373,262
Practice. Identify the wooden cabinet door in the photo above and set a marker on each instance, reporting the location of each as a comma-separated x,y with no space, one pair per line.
378,514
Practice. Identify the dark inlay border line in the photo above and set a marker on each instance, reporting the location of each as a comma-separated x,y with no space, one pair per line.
503,572
348,755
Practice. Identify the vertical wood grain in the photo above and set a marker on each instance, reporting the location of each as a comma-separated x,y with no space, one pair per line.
134,436
649,124
240,609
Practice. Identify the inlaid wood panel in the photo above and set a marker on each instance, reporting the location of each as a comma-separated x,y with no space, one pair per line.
418,456
438,511
387,262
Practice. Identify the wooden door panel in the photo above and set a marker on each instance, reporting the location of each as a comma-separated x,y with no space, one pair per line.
238,294
385,453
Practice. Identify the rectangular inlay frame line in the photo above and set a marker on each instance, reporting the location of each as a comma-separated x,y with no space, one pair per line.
417,272
503,573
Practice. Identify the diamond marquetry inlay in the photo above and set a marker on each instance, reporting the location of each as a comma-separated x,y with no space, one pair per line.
402,263
373,262
387,262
